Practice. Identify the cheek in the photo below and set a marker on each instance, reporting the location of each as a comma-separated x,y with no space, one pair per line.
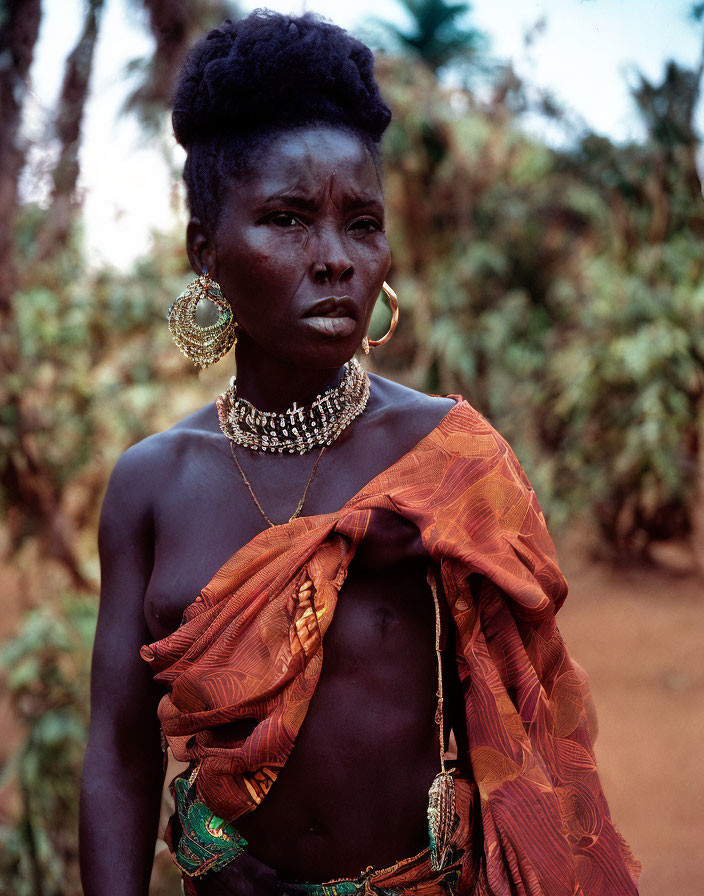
374,265
262,277
372,256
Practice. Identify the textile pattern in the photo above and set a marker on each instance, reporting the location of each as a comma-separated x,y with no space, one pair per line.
201,844
250,647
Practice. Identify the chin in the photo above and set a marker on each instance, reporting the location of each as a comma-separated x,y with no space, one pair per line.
326,357
317,352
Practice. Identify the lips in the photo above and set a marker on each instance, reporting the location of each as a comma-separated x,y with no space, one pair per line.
332,307
334,316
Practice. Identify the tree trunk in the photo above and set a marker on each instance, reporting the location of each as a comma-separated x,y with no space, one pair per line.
69,117
19,29
30,493
171,23
174,24
697,536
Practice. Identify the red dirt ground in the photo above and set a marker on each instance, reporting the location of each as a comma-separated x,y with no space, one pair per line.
639,633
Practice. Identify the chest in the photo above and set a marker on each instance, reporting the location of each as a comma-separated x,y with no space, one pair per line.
209,514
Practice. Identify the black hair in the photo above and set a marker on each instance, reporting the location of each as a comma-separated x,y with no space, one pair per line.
265,74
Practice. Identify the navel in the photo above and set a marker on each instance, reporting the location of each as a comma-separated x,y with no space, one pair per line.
385,618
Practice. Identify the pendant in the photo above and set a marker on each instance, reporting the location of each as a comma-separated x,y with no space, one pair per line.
441,818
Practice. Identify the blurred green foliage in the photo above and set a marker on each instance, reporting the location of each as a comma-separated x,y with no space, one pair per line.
95,372
436,34
45,671
560,291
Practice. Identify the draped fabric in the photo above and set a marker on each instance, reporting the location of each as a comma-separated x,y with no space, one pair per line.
243,666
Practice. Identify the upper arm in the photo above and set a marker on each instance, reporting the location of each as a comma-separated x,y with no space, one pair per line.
124,696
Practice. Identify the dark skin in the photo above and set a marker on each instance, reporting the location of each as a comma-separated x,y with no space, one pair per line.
306,224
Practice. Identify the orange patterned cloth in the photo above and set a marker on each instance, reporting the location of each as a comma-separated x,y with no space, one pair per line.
250,648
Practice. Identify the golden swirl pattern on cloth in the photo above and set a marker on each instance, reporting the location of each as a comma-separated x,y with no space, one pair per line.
250,650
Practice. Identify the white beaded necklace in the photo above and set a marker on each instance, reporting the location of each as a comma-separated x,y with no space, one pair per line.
298,429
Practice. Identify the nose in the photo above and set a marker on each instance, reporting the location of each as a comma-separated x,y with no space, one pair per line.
331,258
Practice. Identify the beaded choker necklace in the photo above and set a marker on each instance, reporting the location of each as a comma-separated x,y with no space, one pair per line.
299,429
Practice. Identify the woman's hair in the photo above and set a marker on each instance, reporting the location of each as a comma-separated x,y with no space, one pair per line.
266,74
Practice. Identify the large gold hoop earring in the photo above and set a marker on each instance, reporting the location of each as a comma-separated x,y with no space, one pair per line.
393,304
201,322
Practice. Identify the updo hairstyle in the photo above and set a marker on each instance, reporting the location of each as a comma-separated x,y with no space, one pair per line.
268,73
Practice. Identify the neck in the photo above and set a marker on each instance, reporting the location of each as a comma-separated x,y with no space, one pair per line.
273,385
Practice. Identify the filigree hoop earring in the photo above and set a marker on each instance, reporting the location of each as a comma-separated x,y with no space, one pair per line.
201,322
393,304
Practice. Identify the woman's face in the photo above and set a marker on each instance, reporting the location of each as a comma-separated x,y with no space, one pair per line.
300,250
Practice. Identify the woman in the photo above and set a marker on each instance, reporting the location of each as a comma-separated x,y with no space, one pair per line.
325,509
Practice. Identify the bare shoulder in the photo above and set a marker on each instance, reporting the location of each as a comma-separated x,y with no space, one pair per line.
393,399
143,470
395,421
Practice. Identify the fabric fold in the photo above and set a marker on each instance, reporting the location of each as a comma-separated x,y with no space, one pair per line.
243,666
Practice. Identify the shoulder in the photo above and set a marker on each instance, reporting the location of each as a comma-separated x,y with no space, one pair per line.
398,418
389,398
460,431
147,467
145,461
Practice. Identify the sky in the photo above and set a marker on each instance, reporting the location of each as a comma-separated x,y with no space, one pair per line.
586,55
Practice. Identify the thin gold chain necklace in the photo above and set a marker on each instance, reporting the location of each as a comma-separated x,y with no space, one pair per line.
299,508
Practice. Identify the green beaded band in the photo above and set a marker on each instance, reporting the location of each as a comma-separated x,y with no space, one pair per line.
206,843
447,883
340,888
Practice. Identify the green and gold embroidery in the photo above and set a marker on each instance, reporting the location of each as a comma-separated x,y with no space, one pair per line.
206,842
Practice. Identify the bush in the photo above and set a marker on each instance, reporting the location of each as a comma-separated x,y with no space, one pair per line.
46,671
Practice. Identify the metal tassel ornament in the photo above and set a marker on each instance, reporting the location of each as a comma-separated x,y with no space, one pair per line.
441,796
441,818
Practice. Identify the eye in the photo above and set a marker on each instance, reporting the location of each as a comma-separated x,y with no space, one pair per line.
364,225
284,220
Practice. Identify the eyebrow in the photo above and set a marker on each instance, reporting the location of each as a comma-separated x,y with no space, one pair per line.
303,202
362,201
306,203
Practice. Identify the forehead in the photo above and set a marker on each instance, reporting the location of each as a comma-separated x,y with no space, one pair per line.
311,161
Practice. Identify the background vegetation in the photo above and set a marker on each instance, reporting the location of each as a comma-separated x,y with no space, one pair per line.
561,291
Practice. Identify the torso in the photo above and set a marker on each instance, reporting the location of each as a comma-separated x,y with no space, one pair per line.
354,790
